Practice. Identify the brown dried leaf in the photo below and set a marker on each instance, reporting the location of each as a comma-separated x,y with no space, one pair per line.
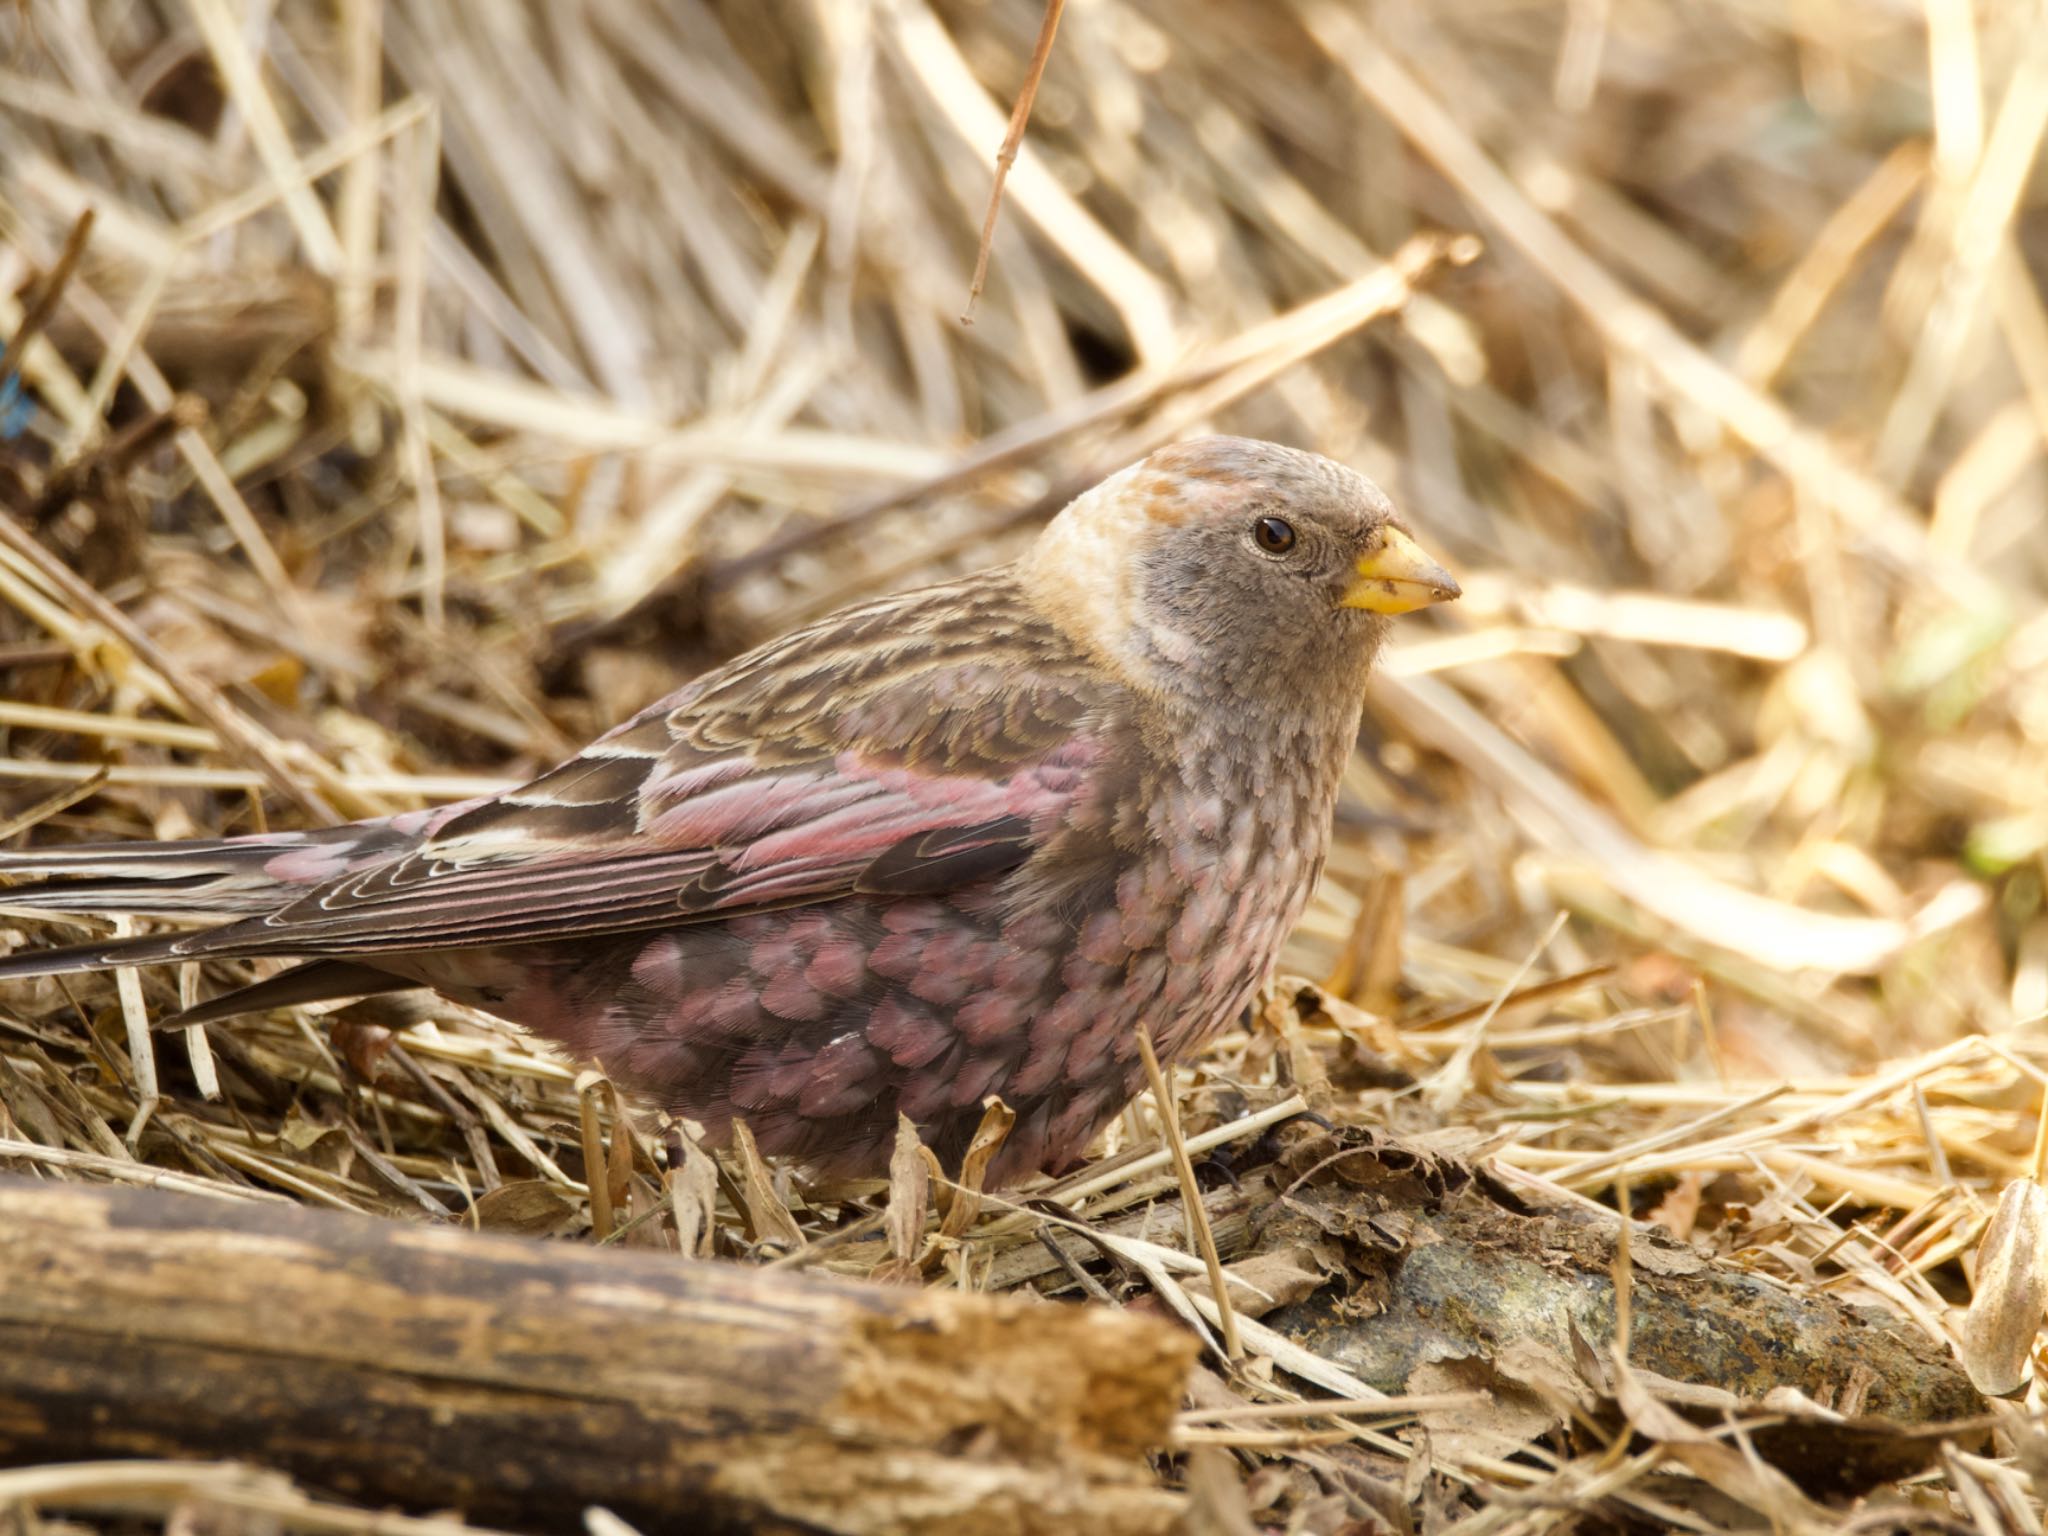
645,1200
693,1199
362,1046
1742,1477
1267,1280
321,1146
618,1171
910,1184
767,1217
2011,1292
1493,1417
530,1207
911,1170
1535,1366
1394,1175
996,1120
1217,1501
1679,1210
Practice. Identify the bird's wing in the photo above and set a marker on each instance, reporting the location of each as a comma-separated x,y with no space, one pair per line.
901,749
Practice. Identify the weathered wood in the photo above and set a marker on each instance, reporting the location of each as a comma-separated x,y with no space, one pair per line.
521,1381
1442,1278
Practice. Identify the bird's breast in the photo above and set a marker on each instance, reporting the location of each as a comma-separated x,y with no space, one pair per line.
1225,886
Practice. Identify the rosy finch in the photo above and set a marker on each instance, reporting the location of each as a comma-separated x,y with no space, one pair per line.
958,842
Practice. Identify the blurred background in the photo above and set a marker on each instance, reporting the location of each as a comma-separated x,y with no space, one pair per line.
435,383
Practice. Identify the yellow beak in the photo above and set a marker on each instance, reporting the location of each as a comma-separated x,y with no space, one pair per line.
1398,578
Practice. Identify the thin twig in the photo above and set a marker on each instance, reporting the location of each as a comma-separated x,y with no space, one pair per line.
1191,1196
1007,156
44,305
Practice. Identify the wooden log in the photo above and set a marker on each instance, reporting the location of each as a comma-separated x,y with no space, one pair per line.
520,1381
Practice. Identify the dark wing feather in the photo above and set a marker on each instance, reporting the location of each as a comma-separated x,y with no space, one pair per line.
946,859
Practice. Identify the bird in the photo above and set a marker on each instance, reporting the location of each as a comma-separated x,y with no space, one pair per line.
956,842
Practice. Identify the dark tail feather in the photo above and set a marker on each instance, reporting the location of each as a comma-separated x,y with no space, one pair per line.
317,981
212,875
314,982
220,943
186,897
224,875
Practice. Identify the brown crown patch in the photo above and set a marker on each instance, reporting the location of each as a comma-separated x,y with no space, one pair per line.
1162,500
1172,492
1205,460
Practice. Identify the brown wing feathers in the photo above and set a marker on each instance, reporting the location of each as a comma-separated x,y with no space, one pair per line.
928,770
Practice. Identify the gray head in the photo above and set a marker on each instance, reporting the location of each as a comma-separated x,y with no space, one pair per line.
1234,566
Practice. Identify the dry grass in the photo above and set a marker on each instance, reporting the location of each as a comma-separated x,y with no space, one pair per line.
437,383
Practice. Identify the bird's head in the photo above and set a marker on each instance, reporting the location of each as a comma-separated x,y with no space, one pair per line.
1234,565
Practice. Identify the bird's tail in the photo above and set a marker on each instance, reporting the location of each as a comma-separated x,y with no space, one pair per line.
220,875
314,981
231,878
217,876
110,954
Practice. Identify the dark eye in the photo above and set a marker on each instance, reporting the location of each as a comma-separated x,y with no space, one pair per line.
1274,535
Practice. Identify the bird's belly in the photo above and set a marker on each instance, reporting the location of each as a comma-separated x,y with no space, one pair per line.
819,1025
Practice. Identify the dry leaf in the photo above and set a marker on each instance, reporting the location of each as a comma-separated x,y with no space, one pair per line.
989,1136
362,1046
910,1182
693,1198
530,1207
1679,1210
767,1217
1267,1280
1742,1477
2011,1292
618,1171
1496,1418
1217,1505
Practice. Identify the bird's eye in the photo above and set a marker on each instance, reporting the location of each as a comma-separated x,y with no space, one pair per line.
1274,535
